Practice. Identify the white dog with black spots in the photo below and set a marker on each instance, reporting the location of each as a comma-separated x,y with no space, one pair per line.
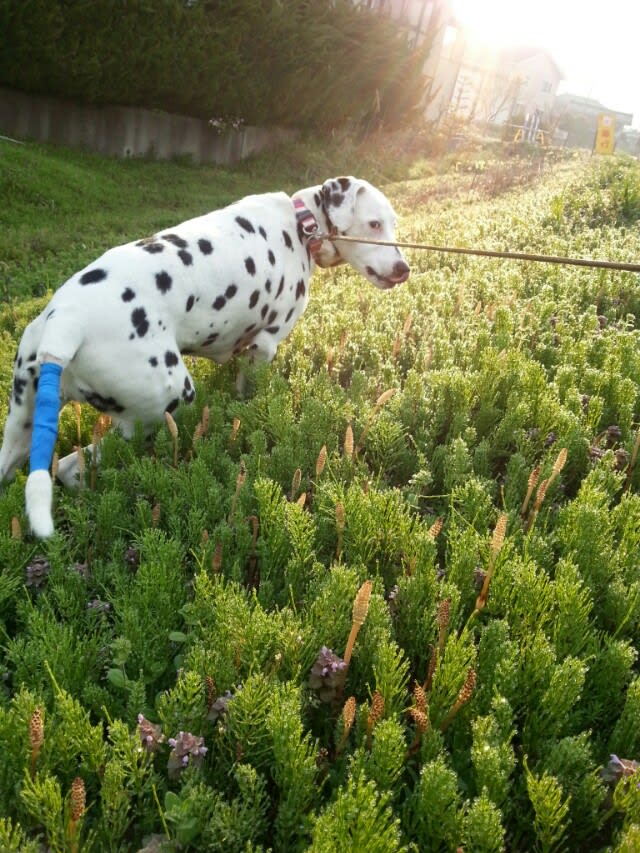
114,335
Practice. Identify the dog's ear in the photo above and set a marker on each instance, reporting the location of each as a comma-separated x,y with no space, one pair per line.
339,200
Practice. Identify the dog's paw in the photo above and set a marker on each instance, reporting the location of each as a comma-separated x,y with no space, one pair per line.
39,498
68,471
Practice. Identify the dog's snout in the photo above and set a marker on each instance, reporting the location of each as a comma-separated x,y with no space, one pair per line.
401,271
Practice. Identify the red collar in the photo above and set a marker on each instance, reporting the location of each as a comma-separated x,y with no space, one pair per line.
309,227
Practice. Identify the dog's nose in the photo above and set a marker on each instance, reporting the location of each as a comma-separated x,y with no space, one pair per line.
401,272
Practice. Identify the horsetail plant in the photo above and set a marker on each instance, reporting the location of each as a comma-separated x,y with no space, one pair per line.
496,544
466,692
173,432
544,486
348,718
77,803
380,402
36,736
375,714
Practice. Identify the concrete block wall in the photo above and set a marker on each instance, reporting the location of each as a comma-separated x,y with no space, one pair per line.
129,131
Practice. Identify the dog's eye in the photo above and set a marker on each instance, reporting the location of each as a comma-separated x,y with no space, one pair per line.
375,224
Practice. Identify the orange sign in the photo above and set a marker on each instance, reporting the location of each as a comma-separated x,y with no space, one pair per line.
605,134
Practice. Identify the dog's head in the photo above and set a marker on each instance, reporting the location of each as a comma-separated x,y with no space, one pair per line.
355,208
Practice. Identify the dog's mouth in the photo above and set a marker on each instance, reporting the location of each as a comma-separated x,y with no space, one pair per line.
386,282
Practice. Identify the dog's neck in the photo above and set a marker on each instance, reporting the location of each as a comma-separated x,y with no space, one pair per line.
310,208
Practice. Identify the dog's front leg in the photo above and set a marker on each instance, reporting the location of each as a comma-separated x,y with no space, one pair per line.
262,349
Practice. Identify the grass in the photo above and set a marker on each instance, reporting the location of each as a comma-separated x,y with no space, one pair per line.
387,602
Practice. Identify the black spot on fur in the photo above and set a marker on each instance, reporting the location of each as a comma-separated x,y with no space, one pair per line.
272,316
153,361
287,240
263,313
177,241
219,303
289,315
163,281
190,302
267,285
140,322
263,233
205,246
128,295
185,257
280,287
244,223
153,248
272,329
300,289
231,291
50,314
173,405
102,404
210,339
345,183
18,388
272,258
250,328
318,199
170,358
93,276
250,264
253,299
188,392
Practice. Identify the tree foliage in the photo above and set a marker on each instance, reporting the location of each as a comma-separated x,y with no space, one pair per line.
287,62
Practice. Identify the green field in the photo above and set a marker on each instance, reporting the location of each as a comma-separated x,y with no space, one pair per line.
467,443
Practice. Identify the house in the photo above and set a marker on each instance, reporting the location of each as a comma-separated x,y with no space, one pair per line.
504,86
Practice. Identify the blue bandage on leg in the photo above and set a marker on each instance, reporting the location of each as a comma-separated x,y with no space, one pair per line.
45,417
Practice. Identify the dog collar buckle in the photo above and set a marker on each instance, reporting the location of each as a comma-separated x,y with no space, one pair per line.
306,220
308,225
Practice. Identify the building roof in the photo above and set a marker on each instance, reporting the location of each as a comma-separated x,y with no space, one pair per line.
520,53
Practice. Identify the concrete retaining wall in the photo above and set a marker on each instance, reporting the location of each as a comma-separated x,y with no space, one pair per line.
128,131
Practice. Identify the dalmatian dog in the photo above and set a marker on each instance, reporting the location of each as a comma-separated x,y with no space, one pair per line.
114,335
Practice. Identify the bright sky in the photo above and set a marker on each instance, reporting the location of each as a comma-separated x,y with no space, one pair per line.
596,44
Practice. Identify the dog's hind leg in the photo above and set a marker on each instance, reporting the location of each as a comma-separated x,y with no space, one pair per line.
19,423
58,344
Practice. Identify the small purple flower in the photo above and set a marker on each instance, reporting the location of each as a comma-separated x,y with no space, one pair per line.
185,749
37,571
622,458
132,558
150,734
618,768
614,434
99,606
82,569
326,674
219,707
595,453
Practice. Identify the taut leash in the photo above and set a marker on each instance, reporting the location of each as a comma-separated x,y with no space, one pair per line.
487,253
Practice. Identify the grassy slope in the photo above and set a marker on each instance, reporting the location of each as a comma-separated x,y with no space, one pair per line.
495,367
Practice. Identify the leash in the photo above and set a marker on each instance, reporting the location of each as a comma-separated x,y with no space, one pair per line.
486,253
